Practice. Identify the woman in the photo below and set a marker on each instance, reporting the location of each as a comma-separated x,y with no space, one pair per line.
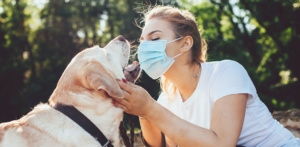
202,103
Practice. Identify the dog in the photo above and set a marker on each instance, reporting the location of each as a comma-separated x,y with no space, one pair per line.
87,84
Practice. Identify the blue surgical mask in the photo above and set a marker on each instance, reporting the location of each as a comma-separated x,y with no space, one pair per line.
153,58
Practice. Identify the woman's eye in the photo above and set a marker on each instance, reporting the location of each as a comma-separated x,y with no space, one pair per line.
155,39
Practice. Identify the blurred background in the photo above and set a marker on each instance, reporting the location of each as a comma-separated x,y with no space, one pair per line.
38,38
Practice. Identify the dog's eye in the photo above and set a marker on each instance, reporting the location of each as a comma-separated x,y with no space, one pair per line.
155,39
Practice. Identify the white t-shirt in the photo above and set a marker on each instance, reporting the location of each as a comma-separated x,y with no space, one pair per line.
217,80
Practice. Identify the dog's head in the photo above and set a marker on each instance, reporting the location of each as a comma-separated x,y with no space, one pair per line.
94,71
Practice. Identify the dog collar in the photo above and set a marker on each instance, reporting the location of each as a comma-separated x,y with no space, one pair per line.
84,122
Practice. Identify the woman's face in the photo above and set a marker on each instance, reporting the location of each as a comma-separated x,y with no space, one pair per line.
159,29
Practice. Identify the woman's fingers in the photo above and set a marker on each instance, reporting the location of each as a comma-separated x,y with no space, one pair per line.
128,87
131,84
136,101
118,105
122,101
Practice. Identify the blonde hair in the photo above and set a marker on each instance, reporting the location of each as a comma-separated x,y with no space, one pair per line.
183,24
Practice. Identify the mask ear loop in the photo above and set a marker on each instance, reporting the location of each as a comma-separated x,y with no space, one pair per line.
177,55
175,40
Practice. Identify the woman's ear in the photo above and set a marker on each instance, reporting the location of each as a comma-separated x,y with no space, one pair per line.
187,44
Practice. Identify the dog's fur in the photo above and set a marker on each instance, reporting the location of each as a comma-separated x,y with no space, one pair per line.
87,83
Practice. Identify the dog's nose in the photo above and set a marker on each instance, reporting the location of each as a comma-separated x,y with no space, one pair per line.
121,38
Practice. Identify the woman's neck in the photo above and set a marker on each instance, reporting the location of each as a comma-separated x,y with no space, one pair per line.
185,78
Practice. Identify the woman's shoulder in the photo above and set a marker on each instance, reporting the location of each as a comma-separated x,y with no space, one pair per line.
222,63
226,67
218,67
229,77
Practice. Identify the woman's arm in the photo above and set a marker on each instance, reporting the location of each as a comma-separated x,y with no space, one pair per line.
151,133
227,120
226,124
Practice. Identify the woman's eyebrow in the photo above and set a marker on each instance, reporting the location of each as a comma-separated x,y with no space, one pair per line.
151,33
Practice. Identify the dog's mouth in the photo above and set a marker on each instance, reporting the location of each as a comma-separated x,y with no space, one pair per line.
132,72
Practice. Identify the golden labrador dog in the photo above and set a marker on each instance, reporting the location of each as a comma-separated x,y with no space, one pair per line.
87,84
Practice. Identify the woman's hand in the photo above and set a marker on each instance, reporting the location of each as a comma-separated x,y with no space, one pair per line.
136,101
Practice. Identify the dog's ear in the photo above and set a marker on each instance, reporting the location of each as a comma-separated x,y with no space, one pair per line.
98,78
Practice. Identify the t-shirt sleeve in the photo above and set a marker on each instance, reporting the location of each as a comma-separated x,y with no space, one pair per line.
232,78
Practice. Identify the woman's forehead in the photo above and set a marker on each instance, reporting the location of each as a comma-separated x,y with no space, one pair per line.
155,24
